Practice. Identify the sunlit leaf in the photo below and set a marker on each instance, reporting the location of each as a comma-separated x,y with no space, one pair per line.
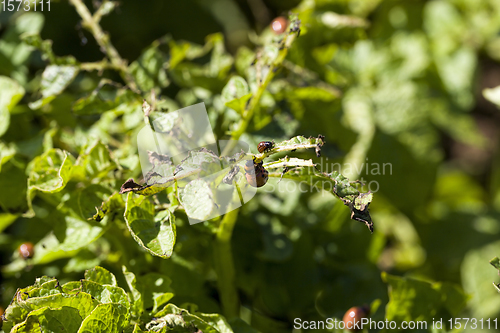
11,93
154,232
54,80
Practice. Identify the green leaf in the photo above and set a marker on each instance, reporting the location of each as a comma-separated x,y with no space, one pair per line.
201,163
63,319
149,291
54,80
11,94
495,262
340,186
105,293
492,95
196,198
180,50
137,301
50,172
239,104
236,93
106,318
155,290
476,278
149,70
113,204
155,185
101,276
411,300
182,320
22,305
96,161
155,233
88,199
102,100
18,53
6,219
102,307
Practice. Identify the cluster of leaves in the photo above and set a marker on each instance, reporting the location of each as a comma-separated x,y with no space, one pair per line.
98,304
383,81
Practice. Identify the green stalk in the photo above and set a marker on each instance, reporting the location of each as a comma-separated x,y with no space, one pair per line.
255,99
91,23
224,266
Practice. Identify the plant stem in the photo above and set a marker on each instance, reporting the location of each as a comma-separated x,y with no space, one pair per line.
102,38
262,86
224,266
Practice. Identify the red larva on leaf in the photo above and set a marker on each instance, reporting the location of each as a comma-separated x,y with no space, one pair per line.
258,177
26,250
353,316
279,25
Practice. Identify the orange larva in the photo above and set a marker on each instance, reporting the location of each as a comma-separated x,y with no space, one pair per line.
258,177
26,250
353,316
279,25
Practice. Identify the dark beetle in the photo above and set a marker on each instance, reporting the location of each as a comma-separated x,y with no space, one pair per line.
265,146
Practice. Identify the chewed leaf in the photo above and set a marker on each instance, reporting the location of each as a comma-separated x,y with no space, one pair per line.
76,306
158,185
184,321
359,209
148,70
198,163
54,80
63,319
22,305
155,233
298,142
50,173
97,161
112,204
339,185
197,200
107,317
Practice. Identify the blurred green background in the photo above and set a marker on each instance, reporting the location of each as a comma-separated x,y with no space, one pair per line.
386,81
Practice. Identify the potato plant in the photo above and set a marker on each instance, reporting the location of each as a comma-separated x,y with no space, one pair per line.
355,116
